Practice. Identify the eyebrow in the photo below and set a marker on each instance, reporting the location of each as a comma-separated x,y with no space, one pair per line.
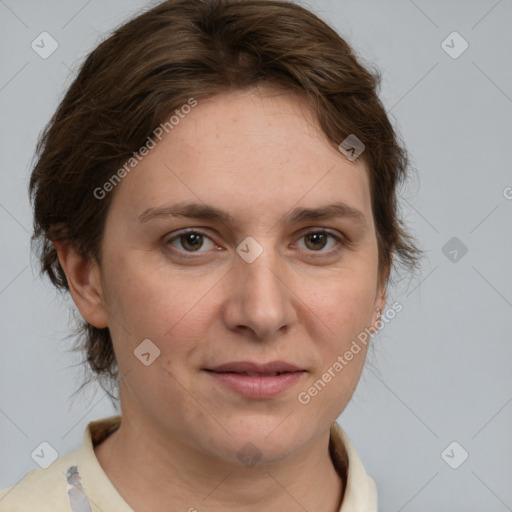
209,212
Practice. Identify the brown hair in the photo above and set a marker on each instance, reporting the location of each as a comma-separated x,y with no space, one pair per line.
155,63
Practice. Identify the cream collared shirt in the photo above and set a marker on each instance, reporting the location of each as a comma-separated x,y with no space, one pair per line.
77,483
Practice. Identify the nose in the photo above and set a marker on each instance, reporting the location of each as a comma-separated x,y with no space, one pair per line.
260,299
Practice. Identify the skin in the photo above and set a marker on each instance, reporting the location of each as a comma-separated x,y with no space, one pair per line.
257,154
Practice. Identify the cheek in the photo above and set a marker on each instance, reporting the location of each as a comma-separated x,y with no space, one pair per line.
342,313
344,304
145,307
170,310
341,341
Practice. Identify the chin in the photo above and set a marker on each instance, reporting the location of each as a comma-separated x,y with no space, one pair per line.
265,439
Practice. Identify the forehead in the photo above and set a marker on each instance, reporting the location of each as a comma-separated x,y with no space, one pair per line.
246,151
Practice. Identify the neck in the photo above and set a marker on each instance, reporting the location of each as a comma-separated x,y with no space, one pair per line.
153,473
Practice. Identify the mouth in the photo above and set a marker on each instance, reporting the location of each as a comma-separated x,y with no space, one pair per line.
259,381
253,374
256,369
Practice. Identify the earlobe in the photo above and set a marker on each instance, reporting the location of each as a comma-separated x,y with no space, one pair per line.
380,304
380,298
83,277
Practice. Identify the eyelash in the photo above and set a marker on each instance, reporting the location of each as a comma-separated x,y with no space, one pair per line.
341,241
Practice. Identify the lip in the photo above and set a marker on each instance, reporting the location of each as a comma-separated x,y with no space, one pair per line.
251,367
254,380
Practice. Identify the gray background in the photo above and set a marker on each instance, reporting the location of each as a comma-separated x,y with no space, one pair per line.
442,369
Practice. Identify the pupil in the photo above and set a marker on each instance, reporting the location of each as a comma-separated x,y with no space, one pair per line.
317,237
196,239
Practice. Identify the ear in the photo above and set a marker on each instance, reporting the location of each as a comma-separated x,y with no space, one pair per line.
380,303
83,276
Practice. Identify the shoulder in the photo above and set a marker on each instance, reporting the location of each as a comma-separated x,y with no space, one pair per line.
58,488
44,490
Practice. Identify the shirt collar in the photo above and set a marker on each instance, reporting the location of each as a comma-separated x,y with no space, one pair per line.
360,490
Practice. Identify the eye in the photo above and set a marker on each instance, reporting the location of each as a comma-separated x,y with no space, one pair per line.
190,241
316,241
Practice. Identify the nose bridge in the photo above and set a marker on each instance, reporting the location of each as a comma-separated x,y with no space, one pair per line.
262,301
263,274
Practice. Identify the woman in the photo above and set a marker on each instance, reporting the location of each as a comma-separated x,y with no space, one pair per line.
217,192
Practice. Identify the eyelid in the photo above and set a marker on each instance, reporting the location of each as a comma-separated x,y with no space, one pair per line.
185,231
342,241
327,231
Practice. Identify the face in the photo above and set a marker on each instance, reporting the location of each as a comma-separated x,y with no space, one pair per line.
265,282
